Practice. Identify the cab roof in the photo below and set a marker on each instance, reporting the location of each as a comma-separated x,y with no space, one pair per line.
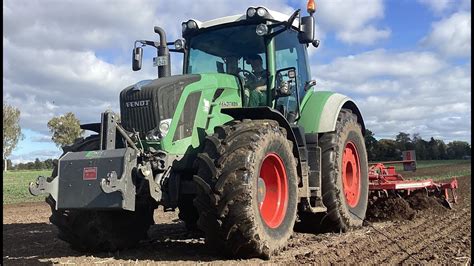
273,15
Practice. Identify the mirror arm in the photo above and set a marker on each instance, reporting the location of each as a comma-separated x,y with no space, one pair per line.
176,50
145,42
293,17
287,24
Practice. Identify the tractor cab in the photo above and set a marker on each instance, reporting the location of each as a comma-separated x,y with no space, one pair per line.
265,49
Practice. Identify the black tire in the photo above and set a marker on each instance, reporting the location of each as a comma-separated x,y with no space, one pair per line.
187,212
343,213
88,230
228,180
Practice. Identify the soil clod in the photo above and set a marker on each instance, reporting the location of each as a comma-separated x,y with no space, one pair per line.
389,209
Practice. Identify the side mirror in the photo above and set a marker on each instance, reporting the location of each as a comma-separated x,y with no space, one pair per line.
286,82
137,56
306,34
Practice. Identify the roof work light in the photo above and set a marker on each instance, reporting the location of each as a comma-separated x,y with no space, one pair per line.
257,13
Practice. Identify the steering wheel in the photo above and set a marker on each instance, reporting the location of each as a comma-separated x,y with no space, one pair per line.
247,75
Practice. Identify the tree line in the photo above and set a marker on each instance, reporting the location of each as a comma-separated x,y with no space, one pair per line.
47,164
377,150
432,149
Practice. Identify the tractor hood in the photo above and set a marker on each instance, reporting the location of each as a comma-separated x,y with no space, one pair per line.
146,103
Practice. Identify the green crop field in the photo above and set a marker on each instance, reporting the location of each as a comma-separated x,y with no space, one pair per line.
15,185
431,163
440,170
425,164
436,169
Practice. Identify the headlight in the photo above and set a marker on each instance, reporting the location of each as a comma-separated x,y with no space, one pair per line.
179,44
164,126
261,29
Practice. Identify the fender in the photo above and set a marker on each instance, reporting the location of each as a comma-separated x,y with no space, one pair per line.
320,109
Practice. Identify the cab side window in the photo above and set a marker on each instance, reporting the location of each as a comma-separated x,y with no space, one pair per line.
290,53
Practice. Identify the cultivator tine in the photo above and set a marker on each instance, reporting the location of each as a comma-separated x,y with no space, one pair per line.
447,204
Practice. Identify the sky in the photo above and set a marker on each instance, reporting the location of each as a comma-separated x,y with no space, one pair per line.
406,63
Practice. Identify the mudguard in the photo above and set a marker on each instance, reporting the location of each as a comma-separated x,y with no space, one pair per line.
320,109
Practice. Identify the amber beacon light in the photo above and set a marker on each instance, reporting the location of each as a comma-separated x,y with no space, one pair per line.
311,7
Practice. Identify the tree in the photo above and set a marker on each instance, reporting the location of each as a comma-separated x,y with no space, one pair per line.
48,164
370,145
458,149
38,164
65,129
404,142
9,165
433,149
387,150
442,147
421,147
11,131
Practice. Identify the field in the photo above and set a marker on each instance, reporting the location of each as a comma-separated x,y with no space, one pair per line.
433,236
15,185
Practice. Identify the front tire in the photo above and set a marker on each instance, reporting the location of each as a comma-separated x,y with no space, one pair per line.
247,189
345,183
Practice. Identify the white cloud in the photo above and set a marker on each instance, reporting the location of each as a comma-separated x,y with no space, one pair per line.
451,36
45,83
410,92
357,68
443,7
437,6
77,25
353,21
367,35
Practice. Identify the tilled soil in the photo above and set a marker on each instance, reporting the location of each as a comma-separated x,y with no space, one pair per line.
432,235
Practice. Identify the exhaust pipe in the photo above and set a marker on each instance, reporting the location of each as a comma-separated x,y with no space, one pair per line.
164,70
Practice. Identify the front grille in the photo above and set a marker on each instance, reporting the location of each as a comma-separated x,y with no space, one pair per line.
142,109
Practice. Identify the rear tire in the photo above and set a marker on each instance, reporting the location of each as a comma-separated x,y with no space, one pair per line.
247,189
87,230
344,174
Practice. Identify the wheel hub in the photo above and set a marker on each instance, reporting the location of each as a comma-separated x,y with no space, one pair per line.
272,192
351,174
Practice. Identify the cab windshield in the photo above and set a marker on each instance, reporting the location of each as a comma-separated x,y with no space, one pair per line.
224,50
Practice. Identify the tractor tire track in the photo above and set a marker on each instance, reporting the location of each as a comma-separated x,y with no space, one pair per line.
425,239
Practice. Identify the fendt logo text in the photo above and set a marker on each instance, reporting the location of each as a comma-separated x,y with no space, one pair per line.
137,103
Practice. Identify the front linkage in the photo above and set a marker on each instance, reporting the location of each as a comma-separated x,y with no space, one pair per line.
99,179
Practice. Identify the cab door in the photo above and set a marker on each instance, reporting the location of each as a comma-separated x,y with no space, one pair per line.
290,53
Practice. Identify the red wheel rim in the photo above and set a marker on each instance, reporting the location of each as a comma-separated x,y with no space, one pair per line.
272,190
351,174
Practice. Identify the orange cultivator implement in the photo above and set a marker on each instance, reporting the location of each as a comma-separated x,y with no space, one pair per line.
385,180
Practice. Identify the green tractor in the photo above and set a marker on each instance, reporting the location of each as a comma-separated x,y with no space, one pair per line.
240,143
